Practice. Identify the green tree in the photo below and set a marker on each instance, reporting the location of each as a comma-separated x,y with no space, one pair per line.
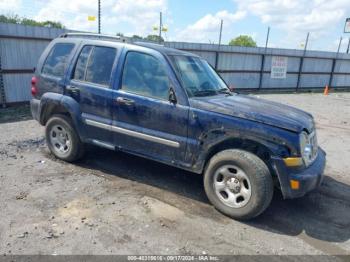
53,24
120,34
12,19
137,37
154,38
15,19
243,40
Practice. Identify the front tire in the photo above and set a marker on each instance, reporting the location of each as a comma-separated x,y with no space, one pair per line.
62,139
238,184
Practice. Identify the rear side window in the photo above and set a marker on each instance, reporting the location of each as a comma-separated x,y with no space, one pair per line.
56,61
95,64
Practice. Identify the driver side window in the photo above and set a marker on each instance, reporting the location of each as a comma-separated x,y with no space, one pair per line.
143,74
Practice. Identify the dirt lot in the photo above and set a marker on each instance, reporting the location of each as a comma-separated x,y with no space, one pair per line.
114,203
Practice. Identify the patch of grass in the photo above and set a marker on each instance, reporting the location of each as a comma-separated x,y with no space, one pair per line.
15,113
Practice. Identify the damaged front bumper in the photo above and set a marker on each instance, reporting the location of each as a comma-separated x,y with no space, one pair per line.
296,182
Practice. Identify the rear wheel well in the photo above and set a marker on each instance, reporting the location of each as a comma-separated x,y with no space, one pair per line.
51,110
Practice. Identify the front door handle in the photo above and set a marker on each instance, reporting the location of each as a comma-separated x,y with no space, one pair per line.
72,90
125,101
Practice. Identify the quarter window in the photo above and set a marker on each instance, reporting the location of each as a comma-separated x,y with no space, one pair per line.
56,61
143,74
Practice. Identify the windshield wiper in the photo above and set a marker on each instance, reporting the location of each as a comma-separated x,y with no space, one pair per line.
208,92
224,91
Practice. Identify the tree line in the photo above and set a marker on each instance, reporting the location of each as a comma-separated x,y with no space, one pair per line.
242,40
16,19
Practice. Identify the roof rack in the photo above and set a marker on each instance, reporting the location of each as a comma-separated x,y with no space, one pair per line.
95,36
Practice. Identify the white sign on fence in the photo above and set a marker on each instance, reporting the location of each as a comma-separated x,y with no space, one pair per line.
279,66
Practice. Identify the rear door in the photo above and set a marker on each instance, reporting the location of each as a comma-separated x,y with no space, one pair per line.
90,86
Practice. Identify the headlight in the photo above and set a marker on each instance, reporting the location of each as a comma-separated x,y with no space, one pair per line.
308,147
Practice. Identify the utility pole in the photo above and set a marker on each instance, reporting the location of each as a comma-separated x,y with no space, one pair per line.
267,37
306,42
263,59
221,23
99,16
302,61
340,40
160,28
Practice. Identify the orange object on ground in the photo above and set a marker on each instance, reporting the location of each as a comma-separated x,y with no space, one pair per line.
326,90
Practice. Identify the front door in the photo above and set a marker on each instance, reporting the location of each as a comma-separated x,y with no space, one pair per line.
146,122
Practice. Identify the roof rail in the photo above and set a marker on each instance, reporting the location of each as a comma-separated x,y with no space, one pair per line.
94,36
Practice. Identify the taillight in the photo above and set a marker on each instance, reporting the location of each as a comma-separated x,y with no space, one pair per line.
34,89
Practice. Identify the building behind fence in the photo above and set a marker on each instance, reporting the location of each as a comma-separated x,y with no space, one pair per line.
245,68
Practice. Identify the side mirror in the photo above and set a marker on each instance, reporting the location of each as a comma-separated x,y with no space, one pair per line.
172,96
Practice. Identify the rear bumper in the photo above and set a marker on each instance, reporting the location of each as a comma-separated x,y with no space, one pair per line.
35,108
309,178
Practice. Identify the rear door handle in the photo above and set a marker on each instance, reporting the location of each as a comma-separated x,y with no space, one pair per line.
72,89
125,101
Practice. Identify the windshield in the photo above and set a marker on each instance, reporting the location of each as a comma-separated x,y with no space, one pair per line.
198,77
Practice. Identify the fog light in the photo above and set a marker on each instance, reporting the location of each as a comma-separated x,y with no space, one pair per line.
293,161
294,184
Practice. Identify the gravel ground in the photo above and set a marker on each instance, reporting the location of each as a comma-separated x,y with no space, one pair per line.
114,203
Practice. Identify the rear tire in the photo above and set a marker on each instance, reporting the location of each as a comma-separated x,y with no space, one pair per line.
238,184
62,139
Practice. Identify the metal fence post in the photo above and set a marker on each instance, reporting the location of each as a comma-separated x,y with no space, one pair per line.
216,60
299,72
333,64
2,87
332,72
261,70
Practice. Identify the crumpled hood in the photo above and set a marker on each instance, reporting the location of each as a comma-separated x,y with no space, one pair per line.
256,109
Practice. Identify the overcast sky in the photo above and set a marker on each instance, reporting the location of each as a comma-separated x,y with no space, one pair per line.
199,20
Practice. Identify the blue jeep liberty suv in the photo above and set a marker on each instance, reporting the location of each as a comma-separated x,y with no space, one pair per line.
171,106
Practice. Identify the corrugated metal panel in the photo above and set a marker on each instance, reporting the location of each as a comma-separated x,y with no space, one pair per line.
341,80
209,56
342,66
21,54
30,31
313,80
317,65
239,62
241,80
18,50
234,58
289,82
17,87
